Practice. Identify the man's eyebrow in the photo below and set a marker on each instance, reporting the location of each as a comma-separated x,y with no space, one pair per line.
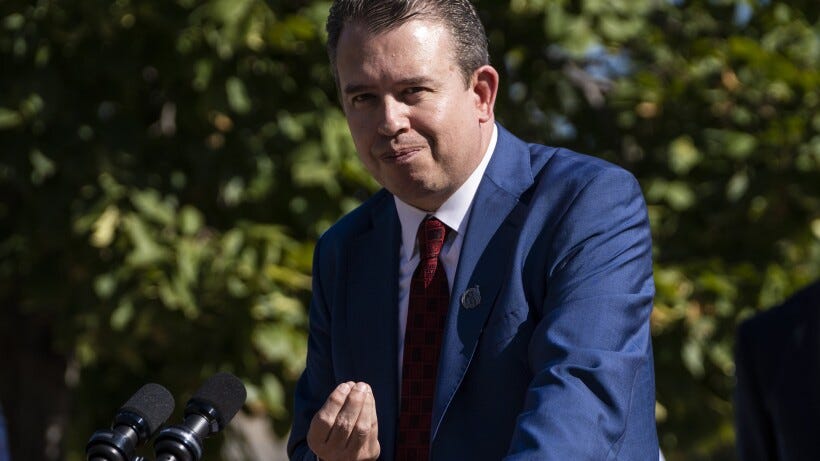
355,88
416,81
352,88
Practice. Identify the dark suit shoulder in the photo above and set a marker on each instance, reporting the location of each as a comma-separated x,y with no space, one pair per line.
806,300
767,340
779,321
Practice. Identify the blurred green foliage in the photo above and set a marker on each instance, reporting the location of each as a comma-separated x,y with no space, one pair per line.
166,166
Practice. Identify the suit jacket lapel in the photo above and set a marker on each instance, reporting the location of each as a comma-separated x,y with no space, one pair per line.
372,313
487,243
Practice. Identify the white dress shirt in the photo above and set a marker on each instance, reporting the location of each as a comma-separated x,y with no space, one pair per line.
455,214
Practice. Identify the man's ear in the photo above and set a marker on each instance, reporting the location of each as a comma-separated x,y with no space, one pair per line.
484,85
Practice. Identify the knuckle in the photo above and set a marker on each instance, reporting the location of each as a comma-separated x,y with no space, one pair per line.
325,419
362,429
337,399
344,424
369,451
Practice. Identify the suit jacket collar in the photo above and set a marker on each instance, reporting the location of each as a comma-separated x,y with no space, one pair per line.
507,176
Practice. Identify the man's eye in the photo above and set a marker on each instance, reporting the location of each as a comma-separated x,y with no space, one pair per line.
414,90
361,98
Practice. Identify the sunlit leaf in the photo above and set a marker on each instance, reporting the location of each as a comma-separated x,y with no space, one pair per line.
683,155
190,220
238,96
145,248
105,227
150,204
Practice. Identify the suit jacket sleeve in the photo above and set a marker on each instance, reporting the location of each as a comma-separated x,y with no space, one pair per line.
317,380
592,392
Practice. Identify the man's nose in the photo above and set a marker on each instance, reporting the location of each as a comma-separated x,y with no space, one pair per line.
394,117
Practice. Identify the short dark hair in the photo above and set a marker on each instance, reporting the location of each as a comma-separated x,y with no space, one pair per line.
458,16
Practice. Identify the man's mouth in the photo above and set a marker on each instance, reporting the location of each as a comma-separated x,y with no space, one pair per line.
400,155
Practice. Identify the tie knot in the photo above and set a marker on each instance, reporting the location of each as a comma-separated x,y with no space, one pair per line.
431,236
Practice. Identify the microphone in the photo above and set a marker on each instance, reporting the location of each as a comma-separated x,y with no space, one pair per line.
210,409
135,422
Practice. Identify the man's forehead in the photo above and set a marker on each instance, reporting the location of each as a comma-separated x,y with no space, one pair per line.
407,53
363,30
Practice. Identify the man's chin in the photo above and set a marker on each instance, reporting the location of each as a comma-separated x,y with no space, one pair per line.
422,197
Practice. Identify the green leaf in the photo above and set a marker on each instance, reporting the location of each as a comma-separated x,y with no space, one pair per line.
273,342
274,395
105,285
146,251
149,203
9,118
692,355
122,315
734,144
190,220
105,227
737,186
238,98
42,167
683,155
14,21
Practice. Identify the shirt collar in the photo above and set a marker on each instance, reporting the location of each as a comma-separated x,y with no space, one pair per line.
453,212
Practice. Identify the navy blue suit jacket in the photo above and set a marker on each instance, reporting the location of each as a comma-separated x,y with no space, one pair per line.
777,397
555,362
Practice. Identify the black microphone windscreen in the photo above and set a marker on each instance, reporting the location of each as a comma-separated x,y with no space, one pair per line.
153,403
225,392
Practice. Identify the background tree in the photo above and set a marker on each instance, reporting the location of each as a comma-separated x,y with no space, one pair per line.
166,167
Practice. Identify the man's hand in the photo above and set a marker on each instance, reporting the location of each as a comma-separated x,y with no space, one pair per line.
345,428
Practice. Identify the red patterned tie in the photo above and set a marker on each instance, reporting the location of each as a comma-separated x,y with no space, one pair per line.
427,309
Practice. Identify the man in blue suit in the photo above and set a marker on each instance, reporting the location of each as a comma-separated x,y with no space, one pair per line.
777,397
544,349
